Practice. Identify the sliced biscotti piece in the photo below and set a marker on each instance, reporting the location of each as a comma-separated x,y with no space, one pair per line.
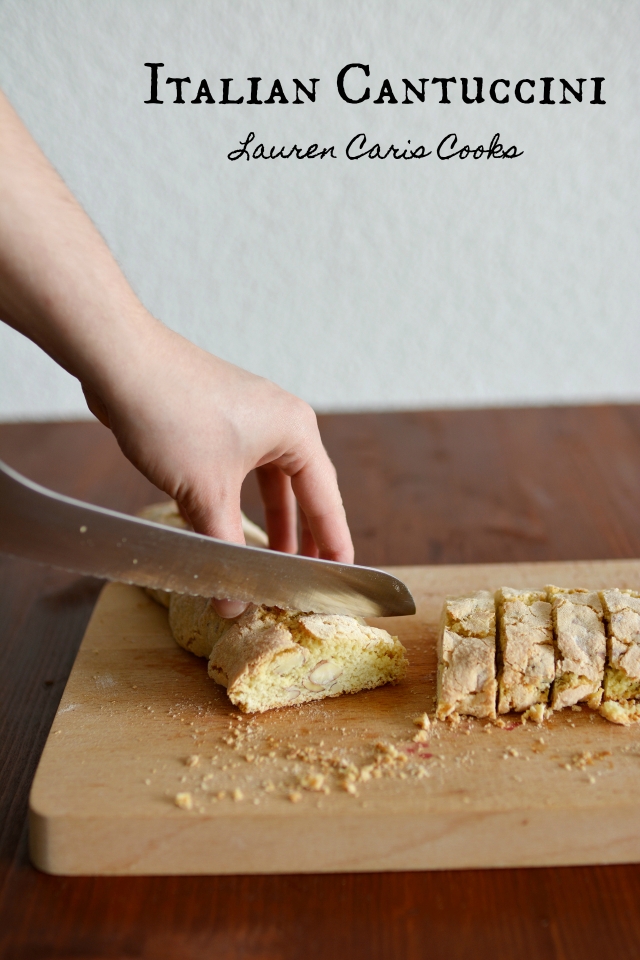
622,616
467,657
194,623
274,658
581,646
168,514
527,667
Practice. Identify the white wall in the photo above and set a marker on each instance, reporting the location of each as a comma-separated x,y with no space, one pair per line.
358,285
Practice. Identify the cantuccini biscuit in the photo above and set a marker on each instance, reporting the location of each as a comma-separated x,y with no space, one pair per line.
622,615
527,667
275,658
581,646
467,656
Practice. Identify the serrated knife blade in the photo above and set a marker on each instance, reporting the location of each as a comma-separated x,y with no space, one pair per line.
47,527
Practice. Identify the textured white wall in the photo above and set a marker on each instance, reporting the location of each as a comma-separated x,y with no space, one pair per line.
357,285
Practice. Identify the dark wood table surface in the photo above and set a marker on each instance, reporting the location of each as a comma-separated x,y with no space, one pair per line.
420,487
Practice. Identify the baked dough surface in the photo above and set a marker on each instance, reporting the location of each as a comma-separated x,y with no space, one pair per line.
622,613
274,658
581,646
466,657
526,649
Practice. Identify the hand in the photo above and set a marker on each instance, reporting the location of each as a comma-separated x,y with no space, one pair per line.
196,425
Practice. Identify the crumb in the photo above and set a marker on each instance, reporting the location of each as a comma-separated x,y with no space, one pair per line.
192,761
422,721
295,796
314,782
536,713
184,801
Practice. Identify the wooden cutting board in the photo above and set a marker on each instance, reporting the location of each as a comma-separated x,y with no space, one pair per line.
136,707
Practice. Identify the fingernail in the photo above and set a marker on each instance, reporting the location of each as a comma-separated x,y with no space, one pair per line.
229,609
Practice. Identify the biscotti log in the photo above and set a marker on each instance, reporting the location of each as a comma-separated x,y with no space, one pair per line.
467,657
581,647
270,657
526,649
195,624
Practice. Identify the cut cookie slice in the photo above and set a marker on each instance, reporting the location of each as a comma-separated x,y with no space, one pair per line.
622,616
526,649
581,646
467,657
274,658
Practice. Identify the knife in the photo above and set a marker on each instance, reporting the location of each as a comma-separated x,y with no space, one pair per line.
38,524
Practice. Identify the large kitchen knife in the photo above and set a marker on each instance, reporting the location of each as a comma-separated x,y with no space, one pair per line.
40,525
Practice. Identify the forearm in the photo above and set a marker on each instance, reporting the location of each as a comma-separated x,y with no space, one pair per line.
59,284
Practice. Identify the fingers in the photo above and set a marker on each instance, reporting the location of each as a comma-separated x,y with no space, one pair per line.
316,487
217,514
280,508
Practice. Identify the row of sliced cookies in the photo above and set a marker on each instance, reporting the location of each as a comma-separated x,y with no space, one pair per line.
531,650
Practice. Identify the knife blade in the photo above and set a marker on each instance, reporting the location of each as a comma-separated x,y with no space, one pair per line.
50,528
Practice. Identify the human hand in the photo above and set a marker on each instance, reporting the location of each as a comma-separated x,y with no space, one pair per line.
196,425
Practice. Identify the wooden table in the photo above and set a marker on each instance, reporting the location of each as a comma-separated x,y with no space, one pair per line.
454,487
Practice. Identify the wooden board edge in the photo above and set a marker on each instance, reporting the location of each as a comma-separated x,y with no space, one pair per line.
85,846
